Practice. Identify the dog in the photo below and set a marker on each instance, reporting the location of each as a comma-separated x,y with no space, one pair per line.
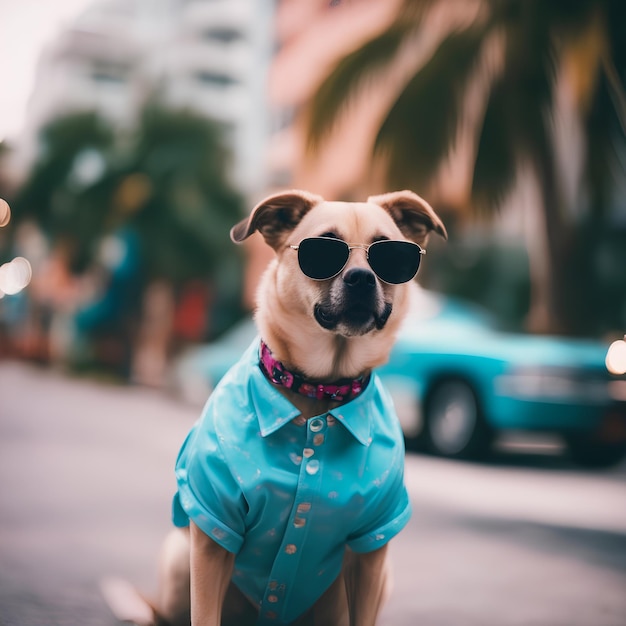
290,486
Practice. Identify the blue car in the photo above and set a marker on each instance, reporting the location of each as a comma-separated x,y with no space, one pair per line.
471,382
457,382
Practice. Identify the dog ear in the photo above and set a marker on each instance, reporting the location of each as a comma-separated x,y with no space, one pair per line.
276,216
413,215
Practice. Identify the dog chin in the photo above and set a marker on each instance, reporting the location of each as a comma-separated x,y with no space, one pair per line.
352,321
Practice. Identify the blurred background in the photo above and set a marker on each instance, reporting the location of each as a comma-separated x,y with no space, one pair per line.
135,133
146,129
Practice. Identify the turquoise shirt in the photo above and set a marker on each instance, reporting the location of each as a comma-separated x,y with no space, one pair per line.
285,494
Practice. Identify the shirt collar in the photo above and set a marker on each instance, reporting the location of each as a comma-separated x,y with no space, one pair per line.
274,410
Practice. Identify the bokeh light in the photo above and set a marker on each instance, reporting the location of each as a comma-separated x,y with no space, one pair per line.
616,357
15,275
5,212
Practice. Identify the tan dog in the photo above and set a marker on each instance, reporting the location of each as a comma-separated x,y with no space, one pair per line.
307,546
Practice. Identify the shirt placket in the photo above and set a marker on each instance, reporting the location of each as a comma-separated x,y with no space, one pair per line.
276,599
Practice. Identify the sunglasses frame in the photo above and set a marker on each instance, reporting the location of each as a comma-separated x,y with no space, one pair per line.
359,246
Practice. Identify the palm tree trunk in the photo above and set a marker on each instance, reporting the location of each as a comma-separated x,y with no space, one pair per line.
539,315
552,298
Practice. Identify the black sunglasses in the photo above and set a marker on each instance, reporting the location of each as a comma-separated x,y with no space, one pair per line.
394,262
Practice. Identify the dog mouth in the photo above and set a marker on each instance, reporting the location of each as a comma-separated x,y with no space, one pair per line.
354,319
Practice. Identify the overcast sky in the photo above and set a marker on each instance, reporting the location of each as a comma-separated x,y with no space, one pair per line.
25,27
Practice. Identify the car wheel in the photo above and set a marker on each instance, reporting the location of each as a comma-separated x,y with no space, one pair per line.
594,454
454,426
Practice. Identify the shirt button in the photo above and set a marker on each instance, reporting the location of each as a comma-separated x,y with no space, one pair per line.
312,467
316,424
290,548
308,452
318,440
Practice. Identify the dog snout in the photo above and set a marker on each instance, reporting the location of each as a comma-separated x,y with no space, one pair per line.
360,280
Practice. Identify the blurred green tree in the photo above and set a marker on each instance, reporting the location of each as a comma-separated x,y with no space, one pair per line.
167,178
536,39
63,192
176,184
151,206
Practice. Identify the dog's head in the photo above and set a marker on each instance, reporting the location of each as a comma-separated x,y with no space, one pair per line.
355,301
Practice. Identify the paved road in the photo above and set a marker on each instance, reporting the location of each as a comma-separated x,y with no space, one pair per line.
85,486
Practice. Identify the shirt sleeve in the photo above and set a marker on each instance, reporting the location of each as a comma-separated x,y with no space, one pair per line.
388,515
208,494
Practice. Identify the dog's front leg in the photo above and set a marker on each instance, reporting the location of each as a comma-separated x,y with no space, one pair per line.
211,571
366,582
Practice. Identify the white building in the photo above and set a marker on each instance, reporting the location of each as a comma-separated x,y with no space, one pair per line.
207,55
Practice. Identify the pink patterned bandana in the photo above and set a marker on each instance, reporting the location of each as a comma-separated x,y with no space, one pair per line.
344,389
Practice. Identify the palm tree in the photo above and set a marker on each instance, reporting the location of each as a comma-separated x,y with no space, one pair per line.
536,41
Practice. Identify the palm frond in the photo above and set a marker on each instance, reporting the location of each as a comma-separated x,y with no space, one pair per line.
421,127
518,116
496,160
606,145
414,11
343,83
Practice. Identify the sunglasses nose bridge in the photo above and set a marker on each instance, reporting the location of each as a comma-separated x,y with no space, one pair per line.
357,257
370,264
358,246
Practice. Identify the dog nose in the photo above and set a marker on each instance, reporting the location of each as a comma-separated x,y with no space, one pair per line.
359,278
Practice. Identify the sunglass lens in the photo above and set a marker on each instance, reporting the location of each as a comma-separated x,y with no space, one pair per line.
321,258
394,262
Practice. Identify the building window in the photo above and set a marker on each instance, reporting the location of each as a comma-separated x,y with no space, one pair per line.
218,79
109,73
222,35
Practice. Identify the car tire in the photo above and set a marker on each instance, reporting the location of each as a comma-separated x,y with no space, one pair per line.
454,426
586,452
